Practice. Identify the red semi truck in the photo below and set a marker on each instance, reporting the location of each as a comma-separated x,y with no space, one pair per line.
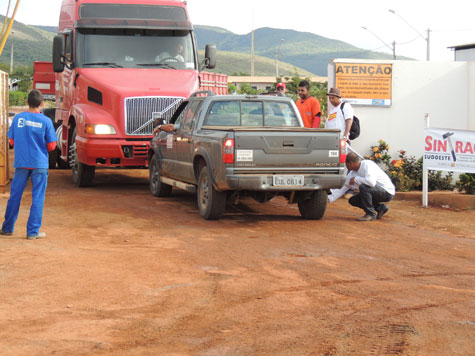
122,66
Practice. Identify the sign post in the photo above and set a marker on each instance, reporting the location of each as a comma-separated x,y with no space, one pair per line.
425,174
447,150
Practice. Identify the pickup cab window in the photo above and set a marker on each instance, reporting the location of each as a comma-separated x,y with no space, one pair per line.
191,114
252,113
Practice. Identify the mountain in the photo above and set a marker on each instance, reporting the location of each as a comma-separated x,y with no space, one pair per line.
302,52
29,44
302,49
233,63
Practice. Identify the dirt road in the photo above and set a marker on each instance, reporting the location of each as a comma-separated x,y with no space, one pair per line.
124,273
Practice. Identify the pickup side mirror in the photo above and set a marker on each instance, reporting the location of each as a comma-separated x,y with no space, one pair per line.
210,56
58,53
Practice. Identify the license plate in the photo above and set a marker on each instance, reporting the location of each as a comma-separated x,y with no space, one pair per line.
288,181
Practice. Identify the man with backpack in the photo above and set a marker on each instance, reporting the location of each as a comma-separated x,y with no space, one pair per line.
340,114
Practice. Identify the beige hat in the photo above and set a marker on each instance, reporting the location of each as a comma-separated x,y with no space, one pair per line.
334,92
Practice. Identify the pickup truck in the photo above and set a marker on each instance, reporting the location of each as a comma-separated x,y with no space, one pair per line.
224,147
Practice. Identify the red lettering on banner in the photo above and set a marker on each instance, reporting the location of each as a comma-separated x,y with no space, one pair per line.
459,146
441,146
468,148
428,143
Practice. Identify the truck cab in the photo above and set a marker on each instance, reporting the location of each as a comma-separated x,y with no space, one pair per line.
121,66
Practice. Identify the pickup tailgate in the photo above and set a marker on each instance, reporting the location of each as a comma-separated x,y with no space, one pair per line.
286,150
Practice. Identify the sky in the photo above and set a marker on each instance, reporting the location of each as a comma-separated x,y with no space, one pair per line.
450,22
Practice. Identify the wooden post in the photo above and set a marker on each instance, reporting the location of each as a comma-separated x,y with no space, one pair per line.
4,109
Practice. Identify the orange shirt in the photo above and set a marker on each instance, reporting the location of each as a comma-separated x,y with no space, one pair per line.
309,108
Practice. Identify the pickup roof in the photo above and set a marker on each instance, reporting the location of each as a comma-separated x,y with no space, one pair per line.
229,146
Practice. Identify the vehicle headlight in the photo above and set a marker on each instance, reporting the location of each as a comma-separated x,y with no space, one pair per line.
100,129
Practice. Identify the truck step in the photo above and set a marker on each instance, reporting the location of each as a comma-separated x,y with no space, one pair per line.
178,184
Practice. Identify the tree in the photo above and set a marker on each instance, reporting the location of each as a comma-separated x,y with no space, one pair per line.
24,75
246,88
231,88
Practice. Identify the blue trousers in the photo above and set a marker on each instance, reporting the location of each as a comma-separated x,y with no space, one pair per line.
39,181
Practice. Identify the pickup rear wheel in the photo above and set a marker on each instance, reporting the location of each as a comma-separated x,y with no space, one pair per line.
157,187
211,202
83,175
314,207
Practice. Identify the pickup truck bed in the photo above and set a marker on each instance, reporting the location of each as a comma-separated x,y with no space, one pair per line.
274,156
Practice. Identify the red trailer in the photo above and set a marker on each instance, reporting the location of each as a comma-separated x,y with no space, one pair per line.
43,79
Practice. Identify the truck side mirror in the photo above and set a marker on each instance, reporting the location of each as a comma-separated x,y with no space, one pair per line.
58,53
210,56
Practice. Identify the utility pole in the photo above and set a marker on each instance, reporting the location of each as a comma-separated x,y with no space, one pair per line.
252,53
427,39
428,44
375,35
11,54
277,54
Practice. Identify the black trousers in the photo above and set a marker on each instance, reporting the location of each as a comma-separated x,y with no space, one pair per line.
370,198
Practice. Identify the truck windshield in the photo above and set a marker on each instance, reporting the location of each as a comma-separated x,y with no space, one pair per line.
135,48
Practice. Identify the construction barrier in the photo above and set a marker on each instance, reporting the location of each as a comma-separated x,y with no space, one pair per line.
4,177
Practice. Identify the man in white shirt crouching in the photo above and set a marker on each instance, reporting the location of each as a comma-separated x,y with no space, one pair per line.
375,187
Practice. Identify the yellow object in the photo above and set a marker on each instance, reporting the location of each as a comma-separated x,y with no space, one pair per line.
4,178
8,29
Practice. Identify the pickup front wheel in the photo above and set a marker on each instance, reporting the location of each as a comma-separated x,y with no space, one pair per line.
157,187
314,207
211,202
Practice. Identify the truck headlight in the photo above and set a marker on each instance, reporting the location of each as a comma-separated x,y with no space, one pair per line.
100,129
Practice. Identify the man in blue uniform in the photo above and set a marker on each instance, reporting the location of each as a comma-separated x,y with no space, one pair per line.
32,134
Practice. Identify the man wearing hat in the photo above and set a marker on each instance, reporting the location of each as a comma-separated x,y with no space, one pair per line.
281,88
339,118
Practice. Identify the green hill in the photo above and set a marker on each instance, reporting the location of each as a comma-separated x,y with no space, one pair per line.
302,52
302,49
231,62
29,44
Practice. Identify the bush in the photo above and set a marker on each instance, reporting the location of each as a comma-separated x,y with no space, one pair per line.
406,172
17,98
466,183
379,153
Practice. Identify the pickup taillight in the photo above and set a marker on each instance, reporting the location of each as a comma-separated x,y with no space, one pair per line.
228,151
343,151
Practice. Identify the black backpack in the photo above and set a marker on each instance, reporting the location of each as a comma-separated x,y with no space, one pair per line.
355,126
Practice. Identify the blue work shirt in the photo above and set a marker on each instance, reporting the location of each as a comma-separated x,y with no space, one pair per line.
31,133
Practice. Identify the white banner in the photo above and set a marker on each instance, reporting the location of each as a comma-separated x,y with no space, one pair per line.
449,150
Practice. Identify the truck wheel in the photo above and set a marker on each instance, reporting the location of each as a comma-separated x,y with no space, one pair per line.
211,202
61,164
314,207
157,188
83,175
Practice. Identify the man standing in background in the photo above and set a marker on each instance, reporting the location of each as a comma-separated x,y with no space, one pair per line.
309,107
281,88
32,134
340,115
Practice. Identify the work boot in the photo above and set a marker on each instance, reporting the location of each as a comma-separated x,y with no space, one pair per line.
3,232
367,217
383,210
39,236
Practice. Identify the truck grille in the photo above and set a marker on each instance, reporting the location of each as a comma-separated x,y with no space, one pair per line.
140,113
